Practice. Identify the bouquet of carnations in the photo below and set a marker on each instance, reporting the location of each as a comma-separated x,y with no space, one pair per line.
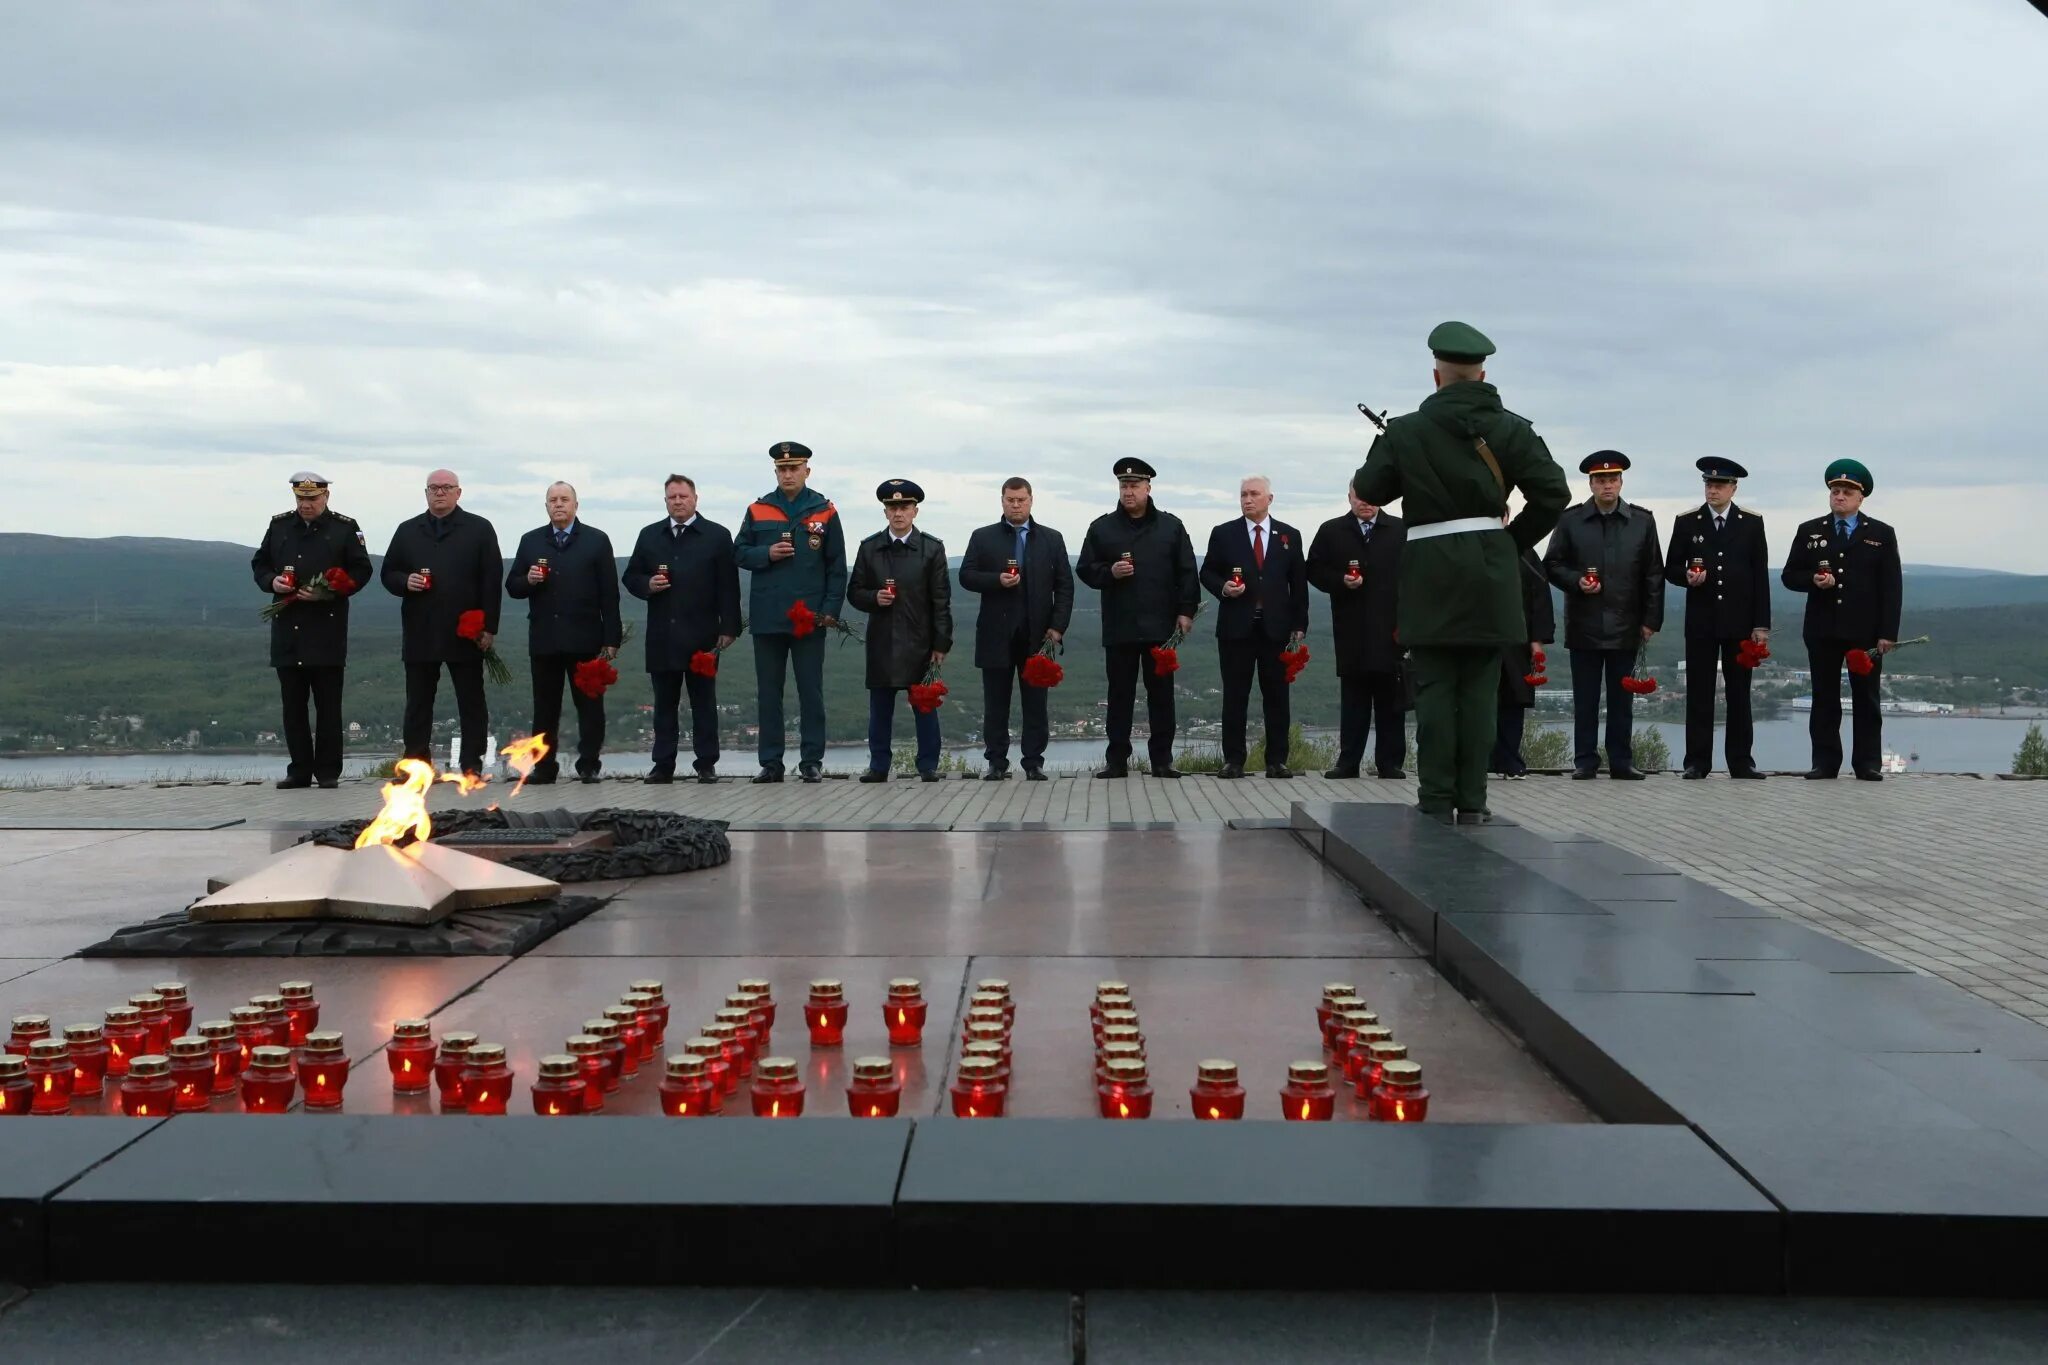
1860,663
1752,652
1042,669
1639,680
930,694
326,588
704,663
470,626
802,621
1536,677
594,677
1166,657
1294,660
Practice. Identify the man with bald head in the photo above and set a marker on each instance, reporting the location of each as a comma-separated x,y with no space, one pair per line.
441,564
566,573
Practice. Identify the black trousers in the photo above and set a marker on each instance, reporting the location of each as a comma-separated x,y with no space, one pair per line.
422,681
551,673
1592,671
1367,701
668,701
314,745
1125,664
1866,750
996,685
1507,741
1702,657
1242,660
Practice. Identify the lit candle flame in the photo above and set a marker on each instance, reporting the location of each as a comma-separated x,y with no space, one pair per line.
1400,1112
1304,1109
972,1112
874,1111
1123,1111
902,1017
522,755
775,1109
1214,1112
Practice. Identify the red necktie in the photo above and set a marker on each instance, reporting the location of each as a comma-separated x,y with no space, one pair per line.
1259,546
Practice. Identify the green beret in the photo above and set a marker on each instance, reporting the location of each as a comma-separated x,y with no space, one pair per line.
1851,472
1460,343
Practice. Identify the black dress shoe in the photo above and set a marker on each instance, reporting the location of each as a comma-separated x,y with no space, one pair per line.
768,775
872,776
1395,773
1034,773
927,775
1340,774
997,772
811,772
1279,772
1584,774
587,778
1693,774
708,778
659,777
1114,770
293,783
329,783
1229,771
1753,774
1819,775
1168,771
1475,817
1869,775
1626,774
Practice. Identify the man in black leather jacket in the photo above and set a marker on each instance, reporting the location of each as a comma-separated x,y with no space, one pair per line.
901,581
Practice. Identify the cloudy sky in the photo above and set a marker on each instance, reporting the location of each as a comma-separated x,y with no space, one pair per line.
955,242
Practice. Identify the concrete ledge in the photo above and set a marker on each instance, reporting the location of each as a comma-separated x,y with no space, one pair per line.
39,1157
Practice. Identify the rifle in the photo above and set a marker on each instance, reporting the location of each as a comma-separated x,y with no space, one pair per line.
1378,419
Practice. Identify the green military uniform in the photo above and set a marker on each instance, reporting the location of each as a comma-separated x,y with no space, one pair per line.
1461,596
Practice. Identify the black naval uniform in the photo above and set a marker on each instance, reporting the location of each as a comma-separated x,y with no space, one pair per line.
1719,615
462,550
309,640
1861,609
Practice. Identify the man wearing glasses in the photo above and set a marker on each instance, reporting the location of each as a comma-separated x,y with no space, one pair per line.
443,563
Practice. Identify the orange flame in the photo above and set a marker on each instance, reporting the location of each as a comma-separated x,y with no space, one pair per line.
465,783
1304,1109
1123,1111
521,755
405,807
1214,1112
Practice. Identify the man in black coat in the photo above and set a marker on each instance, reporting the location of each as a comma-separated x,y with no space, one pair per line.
1718,556
901,581
443,563
683,566
1604,555
1257,570
1356,559
566,573
1020,569
1517,666
1848,566
1141,560
309,638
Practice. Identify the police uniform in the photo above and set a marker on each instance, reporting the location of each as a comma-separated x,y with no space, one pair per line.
902,636
1861,608
1730,607
815,576
309,638
1452,461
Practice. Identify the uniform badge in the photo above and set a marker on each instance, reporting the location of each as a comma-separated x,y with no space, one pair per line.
817,530
1699,540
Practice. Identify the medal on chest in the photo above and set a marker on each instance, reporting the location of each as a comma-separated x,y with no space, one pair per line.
817,530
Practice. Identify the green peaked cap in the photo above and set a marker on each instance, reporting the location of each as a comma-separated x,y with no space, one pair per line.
1851,471
1460,343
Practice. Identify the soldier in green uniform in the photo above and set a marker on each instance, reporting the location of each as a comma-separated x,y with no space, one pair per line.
1454,460
793,546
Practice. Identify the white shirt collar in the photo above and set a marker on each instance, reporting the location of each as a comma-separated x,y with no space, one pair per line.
1266,524
673,523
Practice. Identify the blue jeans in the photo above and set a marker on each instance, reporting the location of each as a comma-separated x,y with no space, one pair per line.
882,730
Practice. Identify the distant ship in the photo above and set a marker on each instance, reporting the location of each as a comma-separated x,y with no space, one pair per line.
1891,762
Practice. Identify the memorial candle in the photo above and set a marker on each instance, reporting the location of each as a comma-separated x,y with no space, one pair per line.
227,1055
49,1071
994,1052
651,1022
1120,1033
778,1090
147,1090
191,1074
559,1090
1116,1052
1335,994
1217,1093
687,1089
606,1032
410,1056
999,988
903,1013
1399,1097
323,1068
1378,1054
1127,1093
448,1064
632,1038
1115,1019
126,1038
589,1054
990,1031
712,1053
742,1020
874,1092
1361,1049
277,1023
88,1044
658,1009
1103,1004
28,1030
977,1091
156,1025
760,1009
825,1013
1106,989
17,1090
1307,1096
267,1082
728,1036
177,1006
252,1030
1344,1028
758,987
985,1014
486,1080
301,1010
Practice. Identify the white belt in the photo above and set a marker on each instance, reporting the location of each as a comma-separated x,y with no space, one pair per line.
1451,528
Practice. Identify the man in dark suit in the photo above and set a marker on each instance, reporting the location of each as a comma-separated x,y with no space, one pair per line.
1517,666
1718,556
683,566
1257,569
1020,569
443,563
1848,566
309,638
1356,559
566,573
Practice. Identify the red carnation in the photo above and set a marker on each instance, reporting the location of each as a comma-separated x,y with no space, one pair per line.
802,620
593,676
704,663
470,624
1534,679
1042,670
1165,660
1859,662
338,582
930,694
1536,655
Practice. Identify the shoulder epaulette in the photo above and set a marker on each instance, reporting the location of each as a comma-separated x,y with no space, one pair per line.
289,513
342,516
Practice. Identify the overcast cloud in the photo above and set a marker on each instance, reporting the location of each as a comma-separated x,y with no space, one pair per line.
607,241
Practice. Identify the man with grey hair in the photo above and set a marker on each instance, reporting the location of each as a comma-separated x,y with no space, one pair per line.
443,564
1257,569
566,573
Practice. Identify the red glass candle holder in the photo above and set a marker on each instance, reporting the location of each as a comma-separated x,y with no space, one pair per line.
1116,1052
177,1007
615,1068
825,1014
301,1010
17,1090
904,1012
267,1082
1127,1093
999,988
1344,1027
741,1020
643,1007
687,1088
994,1052
1114,1019
1217,1093
657,1009
738,1063
251,1030
191,1074
1336,995
1377,1055
760,1013
28,1030
720,1076
1359,1053
1399,1097
225,1055
1109,988
486,1080
592,1066
985,1014
126,1038
156,1025
49,1071
875,1092
977,1091
448,1064
147,1091
764,996
323,1068
277,1023
559,1091
1119,1033
1307,1096
410,1056
88,1045
778,1090
1104,1004
632,1038
990,1031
